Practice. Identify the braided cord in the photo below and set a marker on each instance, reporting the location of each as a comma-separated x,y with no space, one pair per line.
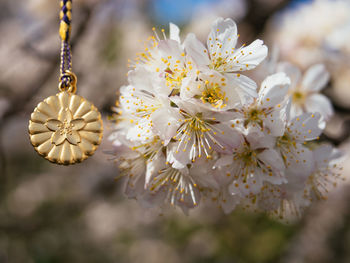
65,31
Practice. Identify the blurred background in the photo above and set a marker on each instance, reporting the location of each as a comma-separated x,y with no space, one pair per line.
50,213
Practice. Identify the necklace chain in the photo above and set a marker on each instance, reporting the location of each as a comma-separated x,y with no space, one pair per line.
65,32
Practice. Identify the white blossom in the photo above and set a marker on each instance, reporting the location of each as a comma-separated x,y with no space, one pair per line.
298,159
264,112
190,128
327,173
251,164
288,201
200,132
222,55
305,90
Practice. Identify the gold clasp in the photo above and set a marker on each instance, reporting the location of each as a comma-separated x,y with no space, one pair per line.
72,82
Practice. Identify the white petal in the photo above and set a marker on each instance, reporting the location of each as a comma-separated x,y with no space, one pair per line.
178,158
201,167
223,32
246,87
275,123
295,110
272,158
291,71
315,78
260,140
296,178
196,50
141,132
128,102
174,32
139,78
251,184
325,154
273,90
228,137
176,161
135,185
305,127
248,57
189,88
228,201
171,48
319,103
299,162
285,109
234,95
165,123
153,166
190,106
224,161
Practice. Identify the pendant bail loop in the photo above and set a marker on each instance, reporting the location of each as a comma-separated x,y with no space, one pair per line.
68,82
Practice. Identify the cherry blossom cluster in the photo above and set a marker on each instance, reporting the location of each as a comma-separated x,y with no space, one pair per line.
192,128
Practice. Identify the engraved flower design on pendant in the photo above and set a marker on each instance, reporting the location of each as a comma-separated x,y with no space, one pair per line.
65,128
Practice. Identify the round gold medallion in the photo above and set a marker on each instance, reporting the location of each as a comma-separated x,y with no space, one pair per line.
65,128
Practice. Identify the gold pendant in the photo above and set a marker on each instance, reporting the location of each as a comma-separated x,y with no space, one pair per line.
65,128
